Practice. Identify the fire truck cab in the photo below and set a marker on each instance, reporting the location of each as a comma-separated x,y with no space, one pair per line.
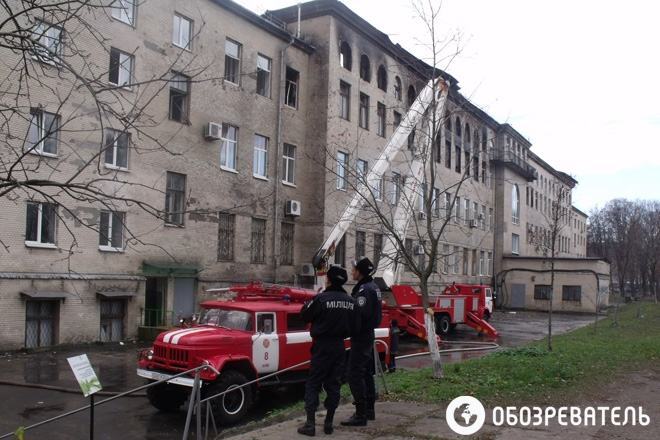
258,332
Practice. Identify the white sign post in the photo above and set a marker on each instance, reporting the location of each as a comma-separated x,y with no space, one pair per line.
89,383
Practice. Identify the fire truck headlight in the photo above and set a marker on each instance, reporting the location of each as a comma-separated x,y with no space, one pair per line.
150,354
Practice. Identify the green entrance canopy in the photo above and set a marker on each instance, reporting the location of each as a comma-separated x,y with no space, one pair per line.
169,270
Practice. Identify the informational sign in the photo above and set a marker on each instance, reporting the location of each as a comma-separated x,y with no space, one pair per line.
85,375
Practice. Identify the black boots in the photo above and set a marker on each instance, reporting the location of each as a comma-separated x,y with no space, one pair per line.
360,416
327,424
309,428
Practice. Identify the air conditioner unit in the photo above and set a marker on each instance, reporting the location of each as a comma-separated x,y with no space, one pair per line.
293,208
213,131
421,215
473,223
419,249
307,270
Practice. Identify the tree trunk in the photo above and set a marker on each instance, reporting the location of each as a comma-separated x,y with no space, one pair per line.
552,298
431,339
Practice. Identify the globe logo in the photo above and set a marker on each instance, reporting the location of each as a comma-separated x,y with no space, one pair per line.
465,415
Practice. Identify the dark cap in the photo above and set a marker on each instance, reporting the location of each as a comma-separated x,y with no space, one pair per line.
364,266
337,275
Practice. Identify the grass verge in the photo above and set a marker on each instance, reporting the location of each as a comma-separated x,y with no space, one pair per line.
580,359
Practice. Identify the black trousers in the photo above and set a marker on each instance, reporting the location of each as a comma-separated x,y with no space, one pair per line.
326,369
361,370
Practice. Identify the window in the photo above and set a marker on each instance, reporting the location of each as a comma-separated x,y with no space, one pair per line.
448,143
47,42
260,160
258,241
360,244
226,228
378,248
263,75
466,261
361,169
289,163
228,147
468,214
40,224
542,291
112,320
116,149
475,267
382,78
265,323
475,210
398,88
445,258
483,172
482,263
179,97
515,244
489,262
286,244
121,68
124,11
437,148
232,61
344,100
295,323
342,168
447,204
175,198
515,205
345,56
397,119
378,189
455,260
458,159
457,209
408,243
436,202
340,252
40,323
484,138
382,122
111,231
475,168
43,133
365,68
181,31
291,87
364,111
411,95
490,218
395,195
467,163
482,218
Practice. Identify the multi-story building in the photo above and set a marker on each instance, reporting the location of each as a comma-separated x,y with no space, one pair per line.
252,161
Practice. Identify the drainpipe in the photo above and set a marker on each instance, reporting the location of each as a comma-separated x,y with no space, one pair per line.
278,146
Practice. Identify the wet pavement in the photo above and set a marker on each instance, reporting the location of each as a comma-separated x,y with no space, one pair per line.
134,418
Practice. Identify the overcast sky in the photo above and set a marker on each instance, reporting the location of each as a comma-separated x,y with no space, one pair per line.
579,79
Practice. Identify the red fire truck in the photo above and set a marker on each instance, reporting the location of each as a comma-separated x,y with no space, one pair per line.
258,332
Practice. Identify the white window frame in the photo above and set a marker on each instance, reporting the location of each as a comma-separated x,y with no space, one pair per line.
180,39
38,242
39,148
342,169
396,188
515,204
124,11
127,79
361,170
378,189
436,202
264,64
289,165
237,57
260,157
466,206
113,165
48,38
515,244
109,247
225,142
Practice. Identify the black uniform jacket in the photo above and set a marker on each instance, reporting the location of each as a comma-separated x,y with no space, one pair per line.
368,307
330,312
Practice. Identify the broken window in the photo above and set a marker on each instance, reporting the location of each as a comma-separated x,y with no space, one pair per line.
365,68
398,88
291,87
233,51
364,111
382,122
179,97
43,133
181,31
286,244
263,75
111,231
258,241
344,100
382,78
121,68
175,198
226,225
40,224
116,149
345,56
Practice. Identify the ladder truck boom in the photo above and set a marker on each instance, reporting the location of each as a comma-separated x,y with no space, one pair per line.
393,147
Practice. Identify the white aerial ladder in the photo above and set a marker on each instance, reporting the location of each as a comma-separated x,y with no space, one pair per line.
387,269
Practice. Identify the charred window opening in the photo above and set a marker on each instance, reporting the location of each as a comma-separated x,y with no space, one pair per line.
345,56
291,88
412,94
382,78
365,68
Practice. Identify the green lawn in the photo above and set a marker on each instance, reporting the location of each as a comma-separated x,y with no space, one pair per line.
579,360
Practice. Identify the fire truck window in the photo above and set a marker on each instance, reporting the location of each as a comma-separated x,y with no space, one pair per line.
233,319
266,323
295,323
488,293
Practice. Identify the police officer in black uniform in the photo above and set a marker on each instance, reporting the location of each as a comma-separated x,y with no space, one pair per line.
368,315
331,313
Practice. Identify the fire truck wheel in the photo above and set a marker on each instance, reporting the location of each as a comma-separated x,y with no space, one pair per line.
231,407
167,397
442,324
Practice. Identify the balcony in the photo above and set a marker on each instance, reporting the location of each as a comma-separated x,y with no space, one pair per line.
514,162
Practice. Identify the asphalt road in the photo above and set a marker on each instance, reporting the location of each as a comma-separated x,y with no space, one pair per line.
133,418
